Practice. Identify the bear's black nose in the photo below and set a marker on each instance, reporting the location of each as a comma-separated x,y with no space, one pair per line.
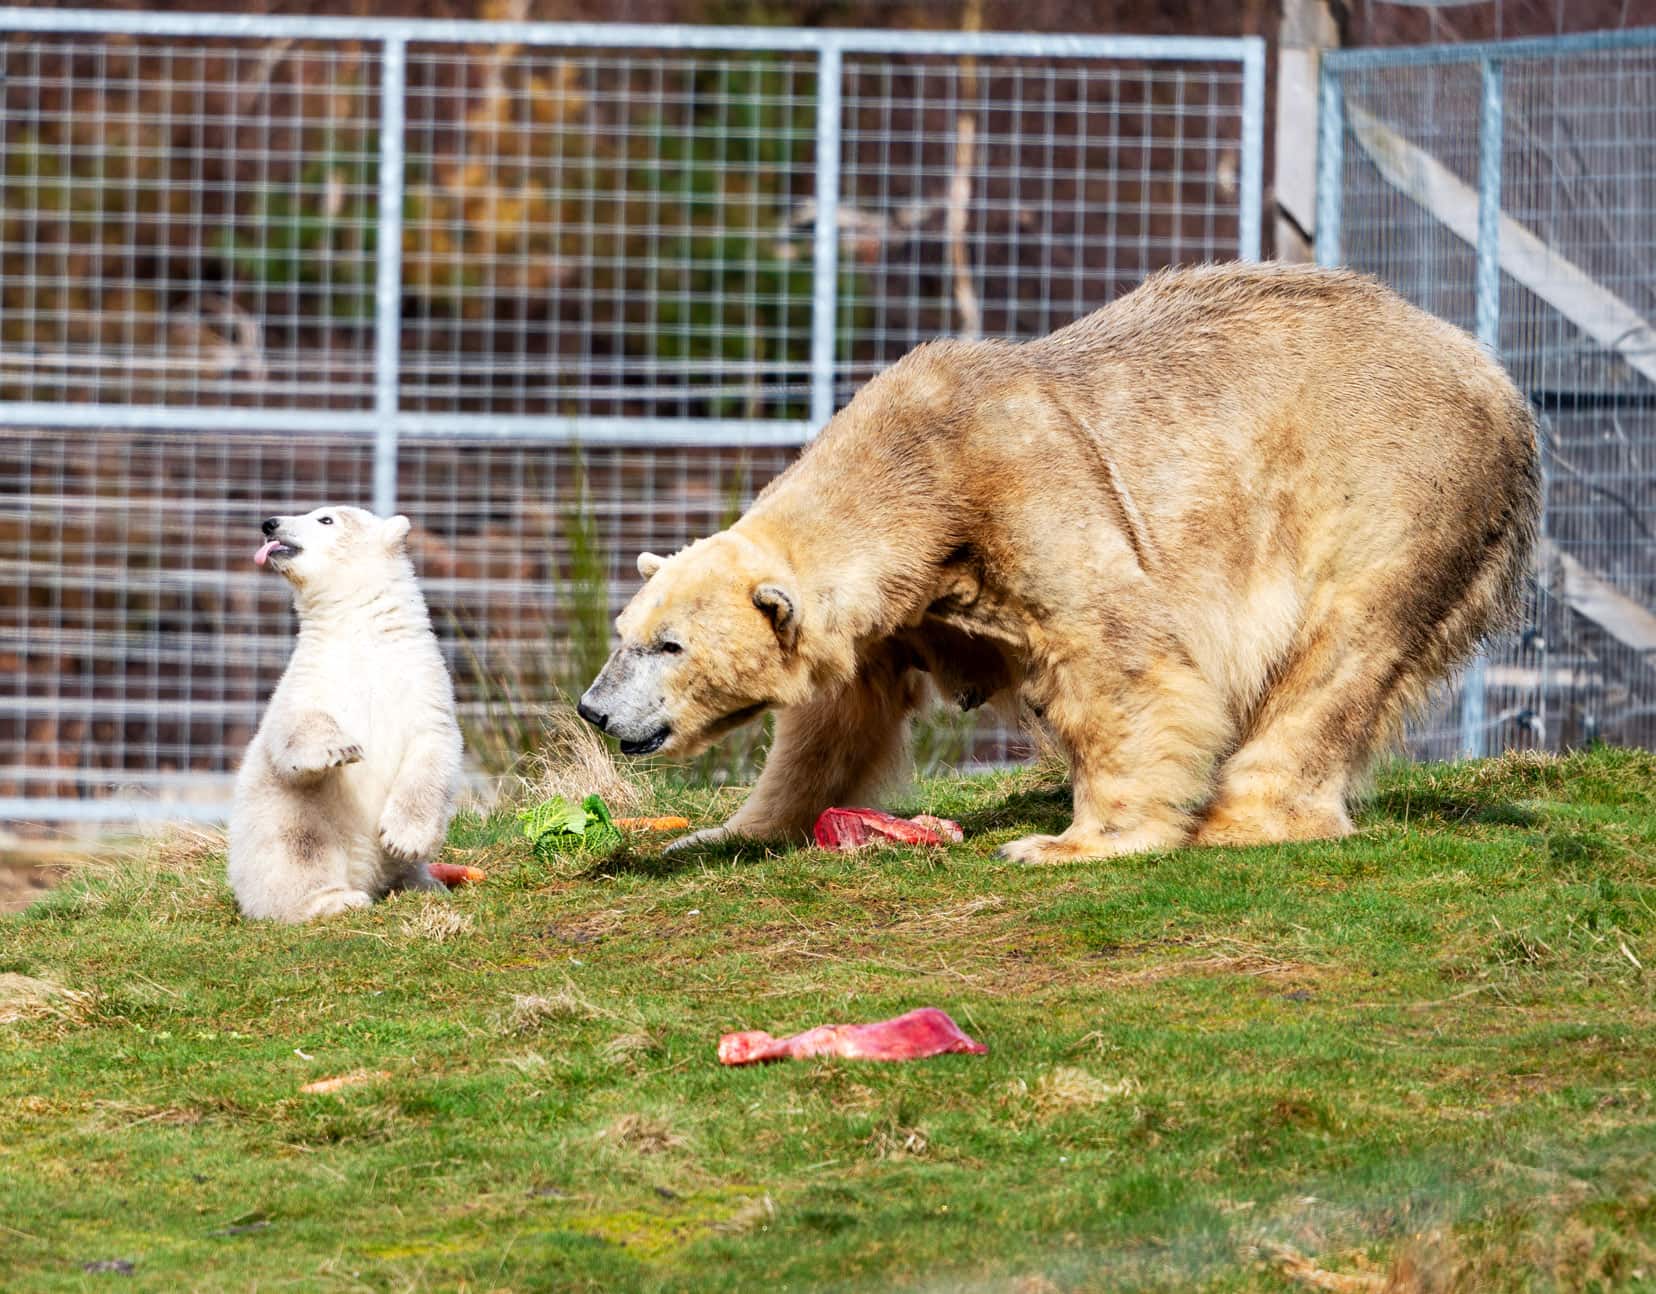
270,524
598,721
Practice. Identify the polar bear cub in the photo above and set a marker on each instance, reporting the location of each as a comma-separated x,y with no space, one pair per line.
347,788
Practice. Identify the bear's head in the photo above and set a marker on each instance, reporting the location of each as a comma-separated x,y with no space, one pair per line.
334,549
709,642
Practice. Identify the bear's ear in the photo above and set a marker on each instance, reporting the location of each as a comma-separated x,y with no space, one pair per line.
649,564
394,531
778,604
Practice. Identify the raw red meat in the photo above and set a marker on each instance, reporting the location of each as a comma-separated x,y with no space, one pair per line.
846,829
922,1033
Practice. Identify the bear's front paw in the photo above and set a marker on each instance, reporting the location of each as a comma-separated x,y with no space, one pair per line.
316,760
1035,850
707,836
408,841
340,754
1078,844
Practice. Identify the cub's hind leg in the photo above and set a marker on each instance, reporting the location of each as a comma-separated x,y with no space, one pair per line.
293,866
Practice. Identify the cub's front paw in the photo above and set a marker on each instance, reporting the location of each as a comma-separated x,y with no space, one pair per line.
408,841
316,760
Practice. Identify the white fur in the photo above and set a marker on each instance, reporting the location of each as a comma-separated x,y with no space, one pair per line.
347,788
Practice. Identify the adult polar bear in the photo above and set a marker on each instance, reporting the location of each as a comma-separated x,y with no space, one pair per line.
1218,536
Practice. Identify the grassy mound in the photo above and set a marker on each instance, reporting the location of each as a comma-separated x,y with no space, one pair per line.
1419,1059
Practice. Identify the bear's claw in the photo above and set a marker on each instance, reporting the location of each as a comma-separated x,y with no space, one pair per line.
706,836
314,764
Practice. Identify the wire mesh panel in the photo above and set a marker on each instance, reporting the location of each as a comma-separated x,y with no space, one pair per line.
1567,180
136,646
1006,197
604,233
187,224
559,292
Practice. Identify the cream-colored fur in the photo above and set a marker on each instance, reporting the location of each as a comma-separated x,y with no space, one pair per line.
347,788
1217,537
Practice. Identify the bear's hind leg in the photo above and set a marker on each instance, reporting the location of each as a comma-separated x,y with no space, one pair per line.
332,901
1311,737
1142,745
310,873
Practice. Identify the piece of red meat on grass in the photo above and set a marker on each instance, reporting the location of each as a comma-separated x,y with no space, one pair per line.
921,1033
843,830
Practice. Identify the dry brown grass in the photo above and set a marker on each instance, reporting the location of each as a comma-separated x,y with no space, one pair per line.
129,1114
893,1139
192,850
755,1213
530,1011
643,1134
1068,1088
24,997
629,1047
572,760
1304,1271
436,921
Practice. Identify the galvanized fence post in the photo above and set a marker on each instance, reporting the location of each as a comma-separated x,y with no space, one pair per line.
1330,162
825,258
1251,192
388,273
1487,305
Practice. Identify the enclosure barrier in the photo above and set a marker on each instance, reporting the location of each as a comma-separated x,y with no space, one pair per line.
1510,187
560,291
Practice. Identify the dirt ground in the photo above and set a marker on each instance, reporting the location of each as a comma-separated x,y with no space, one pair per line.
22,882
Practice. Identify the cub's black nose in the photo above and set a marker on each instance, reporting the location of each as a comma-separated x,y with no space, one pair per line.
270,524
598,721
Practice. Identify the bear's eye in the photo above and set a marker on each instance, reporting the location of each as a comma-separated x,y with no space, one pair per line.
670,647
326,521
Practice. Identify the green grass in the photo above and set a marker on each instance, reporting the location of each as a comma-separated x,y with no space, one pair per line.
1426,1051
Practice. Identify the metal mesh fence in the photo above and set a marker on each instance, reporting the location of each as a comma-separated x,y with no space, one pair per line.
1004,198
187,224
560,293
1533,161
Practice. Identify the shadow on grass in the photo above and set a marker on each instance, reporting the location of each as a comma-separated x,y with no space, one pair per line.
627,861
1047,811
1411,804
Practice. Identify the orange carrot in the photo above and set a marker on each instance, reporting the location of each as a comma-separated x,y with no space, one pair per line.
652,824
452,874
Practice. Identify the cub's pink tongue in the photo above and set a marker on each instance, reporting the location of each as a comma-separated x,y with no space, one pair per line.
263,555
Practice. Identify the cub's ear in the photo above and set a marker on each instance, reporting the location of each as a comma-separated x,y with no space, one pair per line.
649,564
394,531
778,604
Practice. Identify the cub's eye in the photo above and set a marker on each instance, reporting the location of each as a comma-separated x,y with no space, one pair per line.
326,521
670,647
